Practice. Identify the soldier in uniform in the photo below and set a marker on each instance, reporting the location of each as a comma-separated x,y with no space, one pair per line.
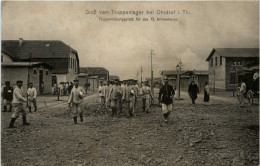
146,93
32,94
166,95
7,96
18,100
107,90
76,97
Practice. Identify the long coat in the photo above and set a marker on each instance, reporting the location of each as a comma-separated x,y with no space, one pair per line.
193,91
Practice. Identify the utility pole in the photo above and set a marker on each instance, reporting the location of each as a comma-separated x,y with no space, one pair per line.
152,72
178,68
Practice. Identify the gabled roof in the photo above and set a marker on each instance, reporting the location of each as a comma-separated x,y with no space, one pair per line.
93,70
39,48
235,52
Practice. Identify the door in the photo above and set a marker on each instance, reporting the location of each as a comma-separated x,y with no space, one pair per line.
41,83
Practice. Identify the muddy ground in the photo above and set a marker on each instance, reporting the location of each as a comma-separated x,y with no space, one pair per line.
219,134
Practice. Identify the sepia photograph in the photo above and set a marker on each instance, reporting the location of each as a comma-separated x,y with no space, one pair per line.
129,83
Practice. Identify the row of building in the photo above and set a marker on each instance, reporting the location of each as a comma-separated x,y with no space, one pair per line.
226,69
46,63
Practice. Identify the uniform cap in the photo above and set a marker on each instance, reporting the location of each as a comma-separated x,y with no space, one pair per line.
19,81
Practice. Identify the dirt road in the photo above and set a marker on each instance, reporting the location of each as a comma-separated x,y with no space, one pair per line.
220,134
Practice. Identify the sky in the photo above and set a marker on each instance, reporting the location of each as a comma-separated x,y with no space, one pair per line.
123,47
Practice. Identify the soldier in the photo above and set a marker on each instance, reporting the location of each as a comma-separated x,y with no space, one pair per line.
166,95
101,91
146,93
107,90
193,91
32,94
18,105
114,95
7,96
76,97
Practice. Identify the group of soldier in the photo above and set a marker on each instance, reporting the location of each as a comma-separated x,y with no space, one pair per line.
14,99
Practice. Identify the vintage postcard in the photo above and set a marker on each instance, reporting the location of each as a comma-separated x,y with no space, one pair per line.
129,83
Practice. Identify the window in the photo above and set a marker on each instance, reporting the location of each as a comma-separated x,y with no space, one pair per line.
232,78
34,71
220,61
47,72
75,65
2,58
69,62
216,61
211,62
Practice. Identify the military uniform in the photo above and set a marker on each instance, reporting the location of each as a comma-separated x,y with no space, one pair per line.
32,94
76,98
146,93
18,106
7,94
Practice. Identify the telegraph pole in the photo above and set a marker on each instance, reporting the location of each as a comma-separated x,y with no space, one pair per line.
152,72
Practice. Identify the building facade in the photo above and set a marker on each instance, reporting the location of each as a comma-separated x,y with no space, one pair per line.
60,56
227,66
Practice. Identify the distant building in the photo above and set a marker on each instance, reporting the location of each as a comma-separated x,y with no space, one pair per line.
228,65
38,73
114,78
101,72
60,56
186,76
199,76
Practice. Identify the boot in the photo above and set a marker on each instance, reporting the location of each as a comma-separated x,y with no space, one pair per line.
11,125
81,117
24,121
75,120
30,109
5,108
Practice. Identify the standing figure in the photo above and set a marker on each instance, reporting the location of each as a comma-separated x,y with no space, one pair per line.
107,90
166,95
76,98
18,100
70,88
32,94
131,92
102,94
60,89
147,96
114,96
193,91
206,93
7,96
66,88
242,93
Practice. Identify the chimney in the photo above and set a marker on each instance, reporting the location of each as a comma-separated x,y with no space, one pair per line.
20,41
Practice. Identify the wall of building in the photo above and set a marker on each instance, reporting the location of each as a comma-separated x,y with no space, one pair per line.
62,78
217,73
21,73
94,84
72,68
242,62
5,58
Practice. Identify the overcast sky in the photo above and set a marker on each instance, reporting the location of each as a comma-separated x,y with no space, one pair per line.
123,47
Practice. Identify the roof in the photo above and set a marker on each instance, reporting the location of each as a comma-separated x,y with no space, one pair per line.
39,48
196,72
26,64
113,77
170,72
47,51
235,52
93,70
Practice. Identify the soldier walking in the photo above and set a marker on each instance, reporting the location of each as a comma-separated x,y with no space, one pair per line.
193,91
32,94
18,105
146,93
7,96
166,95
76,97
